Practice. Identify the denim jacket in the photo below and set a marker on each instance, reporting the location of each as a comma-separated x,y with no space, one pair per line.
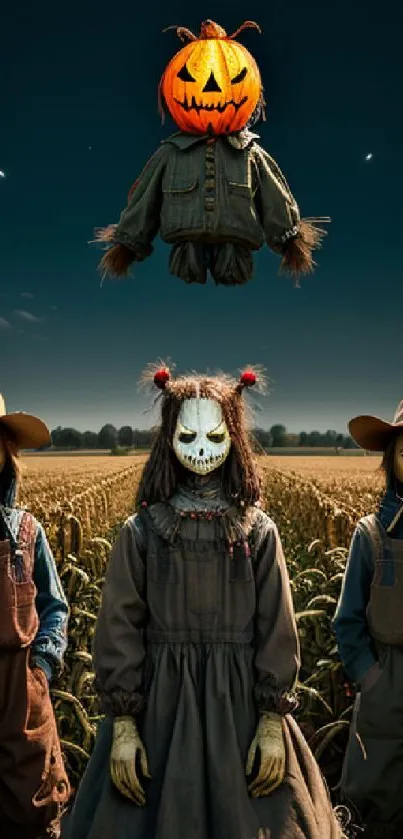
356,647
50,643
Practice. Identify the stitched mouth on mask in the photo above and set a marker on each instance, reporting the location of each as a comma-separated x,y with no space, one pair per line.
202,462
194,106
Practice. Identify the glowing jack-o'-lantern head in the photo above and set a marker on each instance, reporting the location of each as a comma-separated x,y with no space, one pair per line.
212,85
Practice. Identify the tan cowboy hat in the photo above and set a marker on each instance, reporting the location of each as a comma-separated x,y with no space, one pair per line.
29,432
374,434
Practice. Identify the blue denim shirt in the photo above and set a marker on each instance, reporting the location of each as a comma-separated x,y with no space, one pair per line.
355,645
50,643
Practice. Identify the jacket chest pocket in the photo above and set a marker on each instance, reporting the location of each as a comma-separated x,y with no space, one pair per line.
239,177
179,186
240,197
239,190
180,207
202,583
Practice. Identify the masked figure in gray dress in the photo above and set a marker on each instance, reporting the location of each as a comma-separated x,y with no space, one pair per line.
196,649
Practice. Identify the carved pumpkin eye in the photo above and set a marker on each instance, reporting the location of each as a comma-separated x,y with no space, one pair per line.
240,77
184,75
187,436
216,437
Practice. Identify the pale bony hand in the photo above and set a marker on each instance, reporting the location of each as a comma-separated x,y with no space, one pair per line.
125,747
270,740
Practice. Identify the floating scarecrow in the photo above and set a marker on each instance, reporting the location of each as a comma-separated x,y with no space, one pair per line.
211,190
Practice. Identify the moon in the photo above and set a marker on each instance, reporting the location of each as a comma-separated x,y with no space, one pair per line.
369,157
2,174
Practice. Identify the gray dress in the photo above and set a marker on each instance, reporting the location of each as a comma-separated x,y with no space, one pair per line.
194,638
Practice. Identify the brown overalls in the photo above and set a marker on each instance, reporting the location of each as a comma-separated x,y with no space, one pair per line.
33,782
372,777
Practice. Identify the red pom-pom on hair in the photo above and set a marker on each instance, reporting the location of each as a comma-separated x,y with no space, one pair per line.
248,378
161,377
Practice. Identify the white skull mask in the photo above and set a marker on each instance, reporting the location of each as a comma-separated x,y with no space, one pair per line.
201,441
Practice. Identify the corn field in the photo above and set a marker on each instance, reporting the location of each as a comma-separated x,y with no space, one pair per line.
315,504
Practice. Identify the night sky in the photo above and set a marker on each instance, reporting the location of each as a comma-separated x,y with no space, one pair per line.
79,119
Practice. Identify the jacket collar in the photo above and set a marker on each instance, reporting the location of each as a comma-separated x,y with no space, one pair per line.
240,140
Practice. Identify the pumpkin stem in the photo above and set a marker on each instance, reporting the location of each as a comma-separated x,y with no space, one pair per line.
248,24
209,29
182,32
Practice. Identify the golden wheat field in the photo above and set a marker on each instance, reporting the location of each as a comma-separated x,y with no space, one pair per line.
315,502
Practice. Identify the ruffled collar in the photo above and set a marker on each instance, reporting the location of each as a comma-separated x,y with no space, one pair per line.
199,503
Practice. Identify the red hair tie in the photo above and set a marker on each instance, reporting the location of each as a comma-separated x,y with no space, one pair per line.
161,377
247,379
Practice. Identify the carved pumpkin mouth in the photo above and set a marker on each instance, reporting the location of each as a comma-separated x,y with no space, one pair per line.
195,106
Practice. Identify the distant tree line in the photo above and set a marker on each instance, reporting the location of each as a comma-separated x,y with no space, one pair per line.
110,437
278,437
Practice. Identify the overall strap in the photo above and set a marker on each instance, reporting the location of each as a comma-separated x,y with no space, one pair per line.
384,564
7,514
370,526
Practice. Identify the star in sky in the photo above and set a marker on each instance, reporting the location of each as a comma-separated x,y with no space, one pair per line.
369,157
2,174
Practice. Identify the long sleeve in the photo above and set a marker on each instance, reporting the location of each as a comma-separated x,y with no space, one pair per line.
277,657
50,642
350,623
276,205
118,647
140,220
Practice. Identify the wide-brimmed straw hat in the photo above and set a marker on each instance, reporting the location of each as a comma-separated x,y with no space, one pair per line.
373,433
28,431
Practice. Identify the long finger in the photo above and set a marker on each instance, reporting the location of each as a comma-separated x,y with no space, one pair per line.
267,788
135,784
144,764
265,770
251,758
116,775
273,779
132,783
